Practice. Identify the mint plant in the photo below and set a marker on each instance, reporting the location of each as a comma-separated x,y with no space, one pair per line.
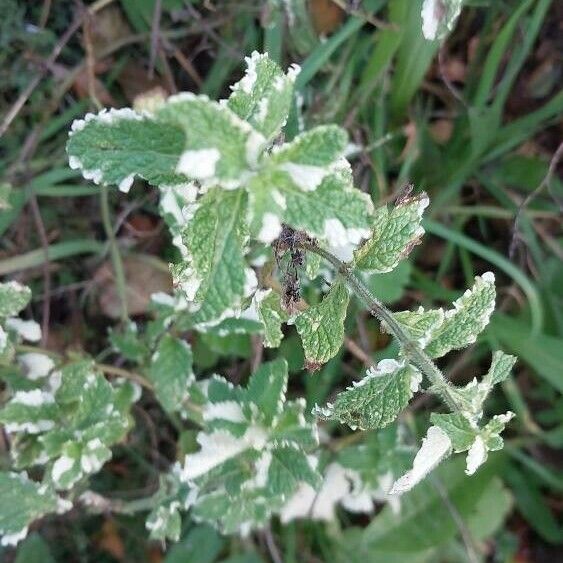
240,202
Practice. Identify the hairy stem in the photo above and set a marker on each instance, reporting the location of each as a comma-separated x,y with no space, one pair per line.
412,350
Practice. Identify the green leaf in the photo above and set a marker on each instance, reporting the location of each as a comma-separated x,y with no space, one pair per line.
74,426
284,467
214,274
252,450
321,326
492,430
234,514
201,545
34,550
420,324
375,400
393,236
128,342
24,501
114,146
272,315
171,371
335,211
219,147
500,369
469,316
458,429
317,148
32,412
188,137
13,298
263,96
164,522
78,460
267,387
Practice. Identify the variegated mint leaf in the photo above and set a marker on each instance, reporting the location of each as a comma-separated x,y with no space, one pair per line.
282,467
465,435
320,503
231,326
188,137
35,365
272,315
420,324
237,419
26,330
436,446
214,275
72,419
355,483
164,521
176,207
112,147
492,430
500,369
374,401
171,371
7,350
78,459
458,428
394,233
263,96
32,412
266,389
335,211
13,298
469,316
234,513
321,326
472,396
252,449
292,426
439,17
487,440
220,148
308,158
24,501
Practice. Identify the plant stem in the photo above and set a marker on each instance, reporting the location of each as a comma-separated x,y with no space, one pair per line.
412,350
98,504
117,263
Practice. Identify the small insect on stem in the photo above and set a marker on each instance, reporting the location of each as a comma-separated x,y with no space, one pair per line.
289,243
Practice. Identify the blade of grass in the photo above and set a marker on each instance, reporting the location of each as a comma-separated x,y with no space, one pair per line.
496,54
57,251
